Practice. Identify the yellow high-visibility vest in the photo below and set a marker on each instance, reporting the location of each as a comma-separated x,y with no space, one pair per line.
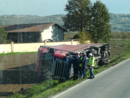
80,65
91,61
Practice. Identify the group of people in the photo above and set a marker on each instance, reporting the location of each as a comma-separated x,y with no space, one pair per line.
81,63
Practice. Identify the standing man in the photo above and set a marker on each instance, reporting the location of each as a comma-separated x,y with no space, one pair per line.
76,66
80,66
68,60
84,64
91,65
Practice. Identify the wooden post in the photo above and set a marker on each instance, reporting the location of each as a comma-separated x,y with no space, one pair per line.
12,47
71,42
44,43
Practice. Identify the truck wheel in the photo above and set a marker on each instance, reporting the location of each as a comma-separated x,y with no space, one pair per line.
100,63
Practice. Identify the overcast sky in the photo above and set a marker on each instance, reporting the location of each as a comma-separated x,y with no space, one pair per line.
53,7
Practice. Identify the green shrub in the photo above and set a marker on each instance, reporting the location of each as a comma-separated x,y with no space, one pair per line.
16,96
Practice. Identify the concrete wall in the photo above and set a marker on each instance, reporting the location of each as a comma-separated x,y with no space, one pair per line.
4,48
53,32
30,47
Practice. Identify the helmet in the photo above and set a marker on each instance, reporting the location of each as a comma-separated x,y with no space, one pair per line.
83,53
90,54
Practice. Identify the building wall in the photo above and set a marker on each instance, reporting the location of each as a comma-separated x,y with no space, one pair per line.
31,37
13,37
24,37
53,32
5,48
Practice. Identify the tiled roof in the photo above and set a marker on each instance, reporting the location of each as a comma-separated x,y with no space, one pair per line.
38,27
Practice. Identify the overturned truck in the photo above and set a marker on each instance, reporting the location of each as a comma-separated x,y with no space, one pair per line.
51,59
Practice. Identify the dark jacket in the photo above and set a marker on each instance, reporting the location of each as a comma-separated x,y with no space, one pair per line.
83,60
76,61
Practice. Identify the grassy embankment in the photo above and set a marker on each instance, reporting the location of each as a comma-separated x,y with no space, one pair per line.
120,50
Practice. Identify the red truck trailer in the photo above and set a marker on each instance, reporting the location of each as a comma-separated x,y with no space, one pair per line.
50,59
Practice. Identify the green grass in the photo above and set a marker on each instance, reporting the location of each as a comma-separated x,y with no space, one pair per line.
13,53
36,89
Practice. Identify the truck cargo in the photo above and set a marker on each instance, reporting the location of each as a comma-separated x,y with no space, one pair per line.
51,61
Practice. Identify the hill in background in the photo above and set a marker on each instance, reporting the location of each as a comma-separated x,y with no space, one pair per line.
119,22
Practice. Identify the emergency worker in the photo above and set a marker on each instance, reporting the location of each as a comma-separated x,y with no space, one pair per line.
69,60
75,66
91,65
84,64
80,66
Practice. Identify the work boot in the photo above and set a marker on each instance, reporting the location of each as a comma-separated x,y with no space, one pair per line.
92,77
84,77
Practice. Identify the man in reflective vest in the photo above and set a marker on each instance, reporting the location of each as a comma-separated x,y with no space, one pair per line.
80,66
91,65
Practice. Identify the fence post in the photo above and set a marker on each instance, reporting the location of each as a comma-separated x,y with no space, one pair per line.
71,42
12,47
44,43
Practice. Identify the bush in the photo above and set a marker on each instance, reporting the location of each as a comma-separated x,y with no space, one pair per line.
84,36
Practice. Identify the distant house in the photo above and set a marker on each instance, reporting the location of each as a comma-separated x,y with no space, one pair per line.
39,32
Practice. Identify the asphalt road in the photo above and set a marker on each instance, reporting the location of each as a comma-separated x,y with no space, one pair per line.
111,83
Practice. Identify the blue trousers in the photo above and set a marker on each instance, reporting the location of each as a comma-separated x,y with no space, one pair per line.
80,72
75,74
84,72
91,72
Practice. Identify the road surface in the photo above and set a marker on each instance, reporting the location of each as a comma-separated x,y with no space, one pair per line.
111,83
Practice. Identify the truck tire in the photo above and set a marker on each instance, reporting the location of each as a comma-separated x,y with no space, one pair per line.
95,52
100,63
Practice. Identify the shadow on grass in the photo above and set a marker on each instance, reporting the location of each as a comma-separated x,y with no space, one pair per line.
4,94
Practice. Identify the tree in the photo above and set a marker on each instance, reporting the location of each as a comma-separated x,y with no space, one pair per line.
3,35
78,15
100,27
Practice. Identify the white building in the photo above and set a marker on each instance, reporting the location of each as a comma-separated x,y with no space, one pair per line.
39,32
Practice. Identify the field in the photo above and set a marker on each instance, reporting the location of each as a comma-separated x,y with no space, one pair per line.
17,71
118,46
